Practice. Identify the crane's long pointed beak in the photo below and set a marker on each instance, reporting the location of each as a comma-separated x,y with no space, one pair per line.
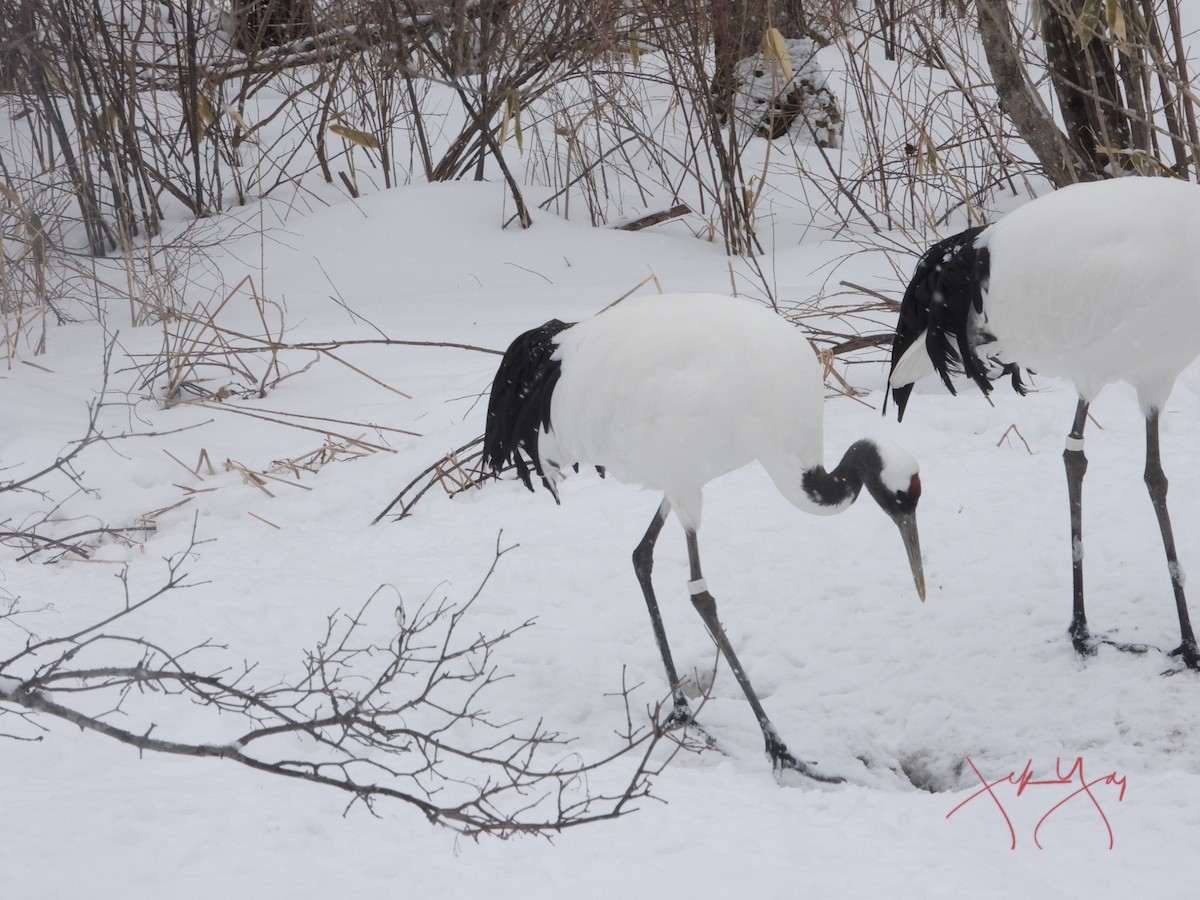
912,545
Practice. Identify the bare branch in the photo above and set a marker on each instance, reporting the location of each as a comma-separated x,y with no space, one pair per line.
402,720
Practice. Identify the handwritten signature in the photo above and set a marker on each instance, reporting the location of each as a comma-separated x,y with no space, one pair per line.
1072,778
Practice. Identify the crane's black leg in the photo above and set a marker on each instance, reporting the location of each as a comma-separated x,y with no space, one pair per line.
1076,464
643,565
1156,483
707,607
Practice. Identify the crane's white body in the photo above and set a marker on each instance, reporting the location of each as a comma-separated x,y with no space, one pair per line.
1100,282
670,392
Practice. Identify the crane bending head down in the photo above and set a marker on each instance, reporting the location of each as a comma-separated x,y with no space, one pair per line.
670,393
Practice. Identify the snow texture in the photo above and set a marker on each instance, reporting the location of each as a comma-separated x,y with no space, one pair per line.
915,704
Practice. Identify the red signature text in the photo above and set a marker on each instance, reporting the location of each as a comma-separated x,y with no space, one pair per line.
1072,785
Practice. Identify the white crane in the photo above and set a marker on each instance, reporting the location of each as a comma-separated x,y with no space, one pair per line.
671,392
1094,283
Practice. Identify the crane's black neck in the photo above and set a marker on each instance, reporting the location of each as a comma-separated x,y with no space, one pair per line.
836,490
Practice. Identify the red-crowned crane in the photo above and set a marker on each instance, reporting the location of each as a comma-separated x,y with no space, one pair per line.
1094,283
669,393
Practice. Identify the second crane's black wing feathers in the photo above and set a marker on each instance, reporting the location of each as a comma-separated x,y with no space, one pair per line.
519,406
947,284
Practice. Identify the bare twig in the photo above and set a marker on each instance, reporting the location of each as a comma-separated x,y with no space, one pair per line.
400,720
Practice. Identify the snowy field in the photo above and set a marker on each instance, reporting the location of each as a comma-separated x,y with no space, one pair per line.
914,704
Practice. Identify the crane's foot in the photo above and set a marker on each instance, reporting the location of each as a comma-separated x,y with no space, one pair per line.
1126,647
1089,645
1188,652
1081,638
783,761
682,718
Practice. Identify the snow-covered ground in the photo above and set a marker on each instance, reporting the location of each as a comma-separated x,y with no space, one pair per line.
915,704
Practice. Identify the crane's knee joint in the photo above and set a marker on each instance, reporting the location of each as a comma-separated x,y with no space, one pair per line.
643,560
1156,480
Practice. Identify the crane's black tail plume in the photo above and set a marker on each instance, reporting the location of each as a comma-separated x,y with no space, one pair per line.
947,284
519,407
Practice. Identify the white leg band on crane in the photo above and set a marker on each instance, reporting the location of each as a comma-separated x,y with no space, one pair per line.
1074,443
699,586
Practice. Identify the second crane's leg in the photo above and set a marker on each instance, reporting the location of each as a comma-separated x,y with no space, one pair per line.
1076,464
1156,483
707,607
643,566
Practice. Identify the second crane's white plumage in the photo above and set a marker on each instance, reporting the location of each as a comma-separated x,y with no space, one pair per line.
1121,260
670,393
1094,283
